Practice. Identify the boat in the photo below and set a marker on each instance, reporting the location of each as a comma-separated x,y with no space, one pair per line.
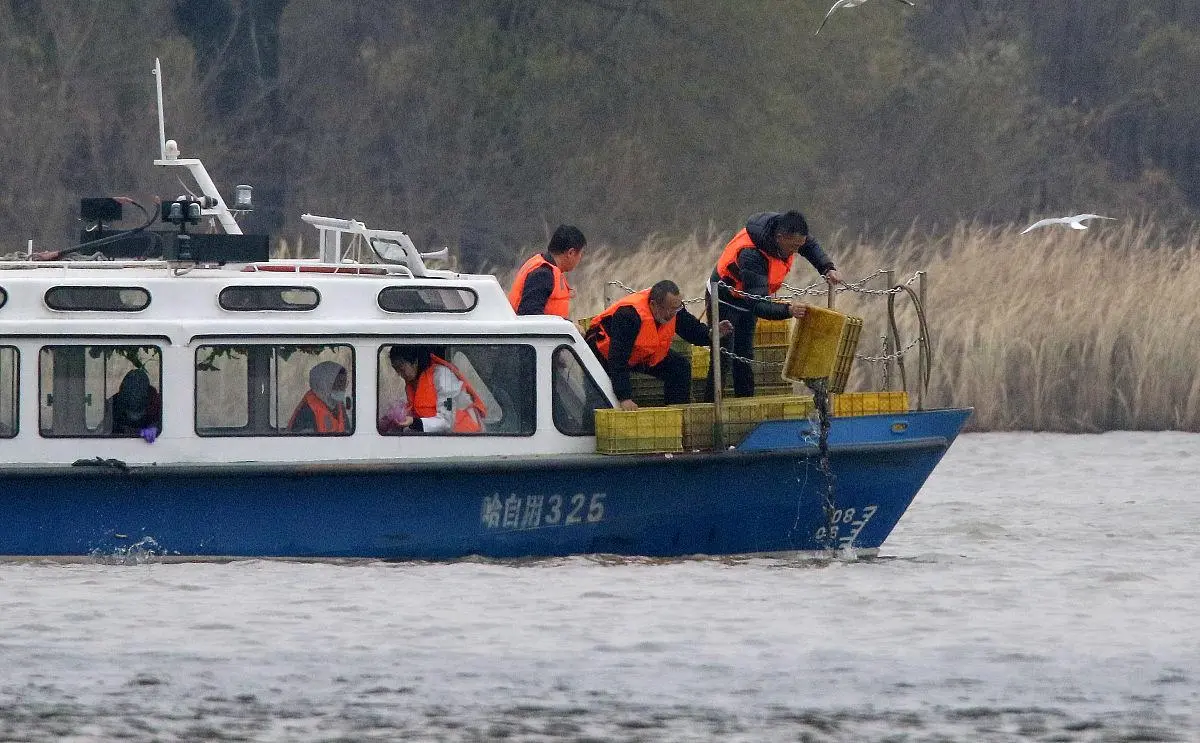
227,339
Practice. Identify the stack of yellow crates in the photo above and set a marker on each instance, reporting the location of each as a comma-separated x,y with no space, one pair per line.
772,333
641,431
701,361
869,403
845,353
741,416
768,376
770,347
771,340
697,425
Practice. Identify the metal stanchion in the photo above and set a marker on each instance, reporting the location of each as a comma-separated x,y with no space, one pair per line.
890,347
921,360
714,319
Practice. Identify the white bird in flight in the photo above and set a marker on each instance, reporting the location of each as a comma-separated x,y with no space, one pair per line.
850,4
1076,222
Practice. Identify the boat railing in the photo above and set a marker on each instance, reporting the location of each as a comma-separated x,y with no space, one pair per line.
67,265
355,269
393,248
892,350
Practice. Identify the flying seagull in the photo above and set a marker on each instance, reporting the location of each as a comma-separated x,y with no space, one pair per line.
1076,222
850,4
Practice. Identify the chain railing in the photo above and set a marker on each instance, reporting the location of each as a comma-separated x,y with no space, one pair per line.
891,353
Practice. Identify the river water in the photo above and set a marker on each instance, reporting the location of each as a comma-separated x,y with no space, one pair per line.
1041,587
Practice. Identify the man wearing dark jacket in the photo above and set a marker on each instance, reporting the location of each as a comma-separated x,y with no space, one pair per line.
540,286
753,266
635,333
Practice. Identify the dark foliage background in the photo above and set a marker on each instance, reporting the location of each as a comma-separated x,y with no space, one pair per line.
482,124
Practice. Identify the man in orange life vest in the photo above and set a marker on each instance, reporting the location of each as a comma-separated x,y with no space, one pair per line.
756,262
635,333
323,407
440,399
540,287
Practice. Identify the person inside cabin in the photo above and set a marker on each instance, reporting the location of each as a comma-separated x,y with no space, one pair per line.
753,266
323,409
438,399
635,334
135,409
541,287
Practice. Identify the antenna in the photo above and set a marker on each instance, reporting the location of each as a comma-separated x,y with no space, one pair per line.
162,131
211,204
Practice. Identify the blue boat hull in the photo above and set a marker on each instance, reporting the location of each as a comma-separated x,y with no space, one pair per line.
765,496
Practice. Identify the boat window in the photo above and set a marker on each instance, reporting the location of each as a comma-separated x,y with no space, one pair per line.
98,298
575,395
392,251
426,299
457,389
250,298
3,297
99,391
275,390
10,366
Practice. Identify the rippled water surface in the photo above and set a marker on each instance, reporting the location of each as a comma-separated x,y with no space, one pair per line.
1041,587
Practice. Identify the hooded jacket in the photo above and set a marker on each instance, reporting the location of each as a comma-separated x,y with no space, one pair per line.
752,265
321,410
136,404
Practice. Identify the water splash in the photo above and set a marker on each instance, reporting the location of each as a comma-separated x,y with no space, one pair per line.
146,549
820,393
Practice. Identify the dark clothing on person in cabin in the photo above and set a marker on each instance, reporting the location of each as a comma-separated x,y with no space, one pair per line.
136,406
675,370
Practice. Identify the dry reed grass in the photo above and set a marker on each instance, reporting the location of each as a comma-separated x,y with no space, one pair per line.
1056,330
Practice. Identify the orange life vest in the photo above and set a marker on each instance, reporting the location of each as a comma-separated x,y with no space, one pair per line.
423,398
328,421
559,302
777,270
653,340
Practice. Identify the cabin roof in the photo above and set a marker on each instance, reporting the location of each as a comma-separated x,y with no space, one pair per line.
198,297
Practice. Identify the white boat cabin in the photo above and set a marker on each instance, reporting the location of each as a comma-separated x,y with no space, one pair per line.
228,351
227,339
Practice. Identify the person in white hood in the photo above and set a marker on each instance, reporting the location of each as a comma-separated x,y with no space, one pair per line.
323,408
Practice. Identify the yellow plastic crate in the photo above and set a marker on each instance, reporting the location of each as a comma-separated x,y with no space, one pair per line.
770,371
847,346
645,430
772,332
741,416
813,351
701,360
869,403
697,425
785,407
